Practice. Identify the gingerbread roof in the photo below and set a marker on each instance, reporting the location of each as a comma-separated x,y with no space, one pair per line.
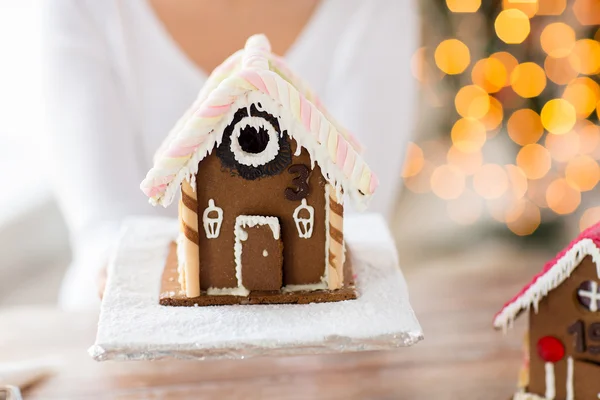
554,273
256,73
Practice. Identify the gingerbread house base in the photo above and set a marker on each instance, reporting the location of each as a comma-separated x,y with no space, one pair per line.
134,326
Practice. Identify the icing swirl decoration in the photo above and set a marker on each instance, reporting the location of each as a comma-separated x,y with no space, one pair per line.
255,73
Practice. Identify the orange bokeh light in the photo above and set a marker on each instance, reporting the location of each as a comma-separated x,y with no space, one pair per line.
551,7
534,160
490,181
589,136
583,93
495,115
508,60
463,6
583,173
563,147
587,12
528,220
558,116
414,160
518,180
447,182
512,26
557,39
525,127
528,80
468,163
529,7
452,56
559,70
489,74
471,101
468,135
561,197
585,56
590,217
420,183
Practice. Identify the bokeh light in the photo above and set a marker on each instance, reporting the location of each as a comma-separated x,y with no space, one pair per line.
583,93
468,163
559,70
466,209
582,173
561,197
490,181
585,56
534,160
417,64
528,80
558,116
414,160
525,127
518,181
452,56
495,115
551,7
529,7
471,101
508,60
468,135
463,6
563,147
587,12
589,218
588,135
420,183
489,74
528,220
558,39
447,182
512,26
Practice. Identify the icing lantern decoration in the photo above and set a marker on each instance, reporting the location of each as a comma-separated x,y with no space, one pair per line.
304,225
212,225
550,349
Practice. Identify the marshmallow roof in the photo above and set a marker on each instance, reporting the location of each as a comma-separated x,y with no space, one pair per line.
255,71
554,273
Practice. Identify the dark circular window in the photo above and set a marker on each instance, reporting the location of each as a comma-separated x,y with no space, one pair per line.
253,140
253,145
588,295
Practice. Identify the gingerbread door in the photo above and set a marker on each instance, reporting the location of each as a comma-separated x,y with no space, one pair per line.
260,252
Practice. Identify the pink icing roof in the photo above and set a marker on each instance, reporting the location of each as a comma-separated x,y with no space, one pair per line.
256,70
554,273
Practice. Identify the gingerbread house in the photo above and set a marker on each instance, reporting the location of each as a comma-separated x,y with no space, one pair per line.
261,167
562,359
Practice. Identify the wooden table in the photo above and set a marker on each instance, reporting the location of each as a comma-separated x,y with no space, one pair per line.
462,357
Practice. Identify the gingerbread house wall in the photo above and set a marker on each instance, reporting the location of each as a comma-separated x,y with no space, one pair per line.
558,311
305,261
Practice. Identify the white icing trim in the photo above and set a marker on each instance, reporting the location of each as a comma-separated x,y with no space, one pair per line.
593,295
563,268
318,153
570,372
308,287
236,291
265,253
268,154
304,225
212,226
550,383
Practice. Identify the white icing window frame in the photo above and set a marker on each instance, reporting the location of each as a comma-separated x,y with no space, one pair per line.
254,159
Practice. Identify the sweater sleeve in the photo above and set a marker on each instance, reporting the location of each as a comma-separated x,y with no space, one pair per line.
373,59
91,142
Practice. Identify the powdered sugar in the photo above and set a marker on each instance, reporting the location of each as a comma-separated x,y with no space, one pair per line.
134,326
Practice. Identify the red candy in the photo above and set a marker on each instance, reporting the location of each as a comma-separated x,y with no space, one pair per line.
551,349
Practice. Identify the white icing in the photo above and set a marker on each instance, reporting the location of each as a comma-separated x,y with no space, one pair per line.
181,260
570,391
265,253
241,222
593,294
527,396
318,153
309,287
255,159
563,268
212,225
304,225
550,384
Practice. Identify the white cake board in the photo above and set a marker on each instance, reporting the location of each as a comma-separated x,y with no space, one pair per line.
133,326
